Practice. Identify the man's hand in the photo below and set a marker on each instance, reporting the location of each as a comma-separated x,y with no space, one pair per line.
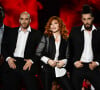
52,63
60,63
78,64
11,63
28,64
93,65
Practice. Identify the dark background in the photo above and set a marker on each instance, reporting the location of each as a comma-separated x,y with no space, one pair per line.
42,10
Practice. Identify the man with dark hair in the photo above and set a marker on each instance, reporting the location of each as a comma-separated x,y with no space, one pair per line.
18,49
84,51
3,30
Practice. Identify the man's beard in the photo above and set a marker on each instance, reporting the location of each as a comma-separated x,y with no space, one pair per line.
88,28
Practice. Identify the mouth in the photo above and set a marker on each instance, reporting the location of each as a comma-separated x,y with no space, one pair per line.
24,24
53,28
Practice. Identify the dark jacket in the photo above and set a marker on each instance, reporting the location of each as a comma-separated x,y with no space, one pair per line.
9,45
47,48
76,44
10,40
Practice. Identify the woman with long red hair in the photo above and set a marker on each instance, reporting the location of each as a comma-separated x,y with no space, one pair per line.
52,51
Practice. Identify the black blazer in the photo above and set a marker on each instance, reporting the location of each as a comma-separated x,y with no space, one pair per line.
10,40
6,29
76,44
47,48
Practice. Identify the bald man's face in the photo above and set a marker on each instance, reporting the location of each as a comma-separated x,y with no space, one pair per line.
24,20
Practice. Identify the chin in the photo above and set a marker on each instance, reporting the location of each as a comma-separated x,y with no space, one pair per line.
24,27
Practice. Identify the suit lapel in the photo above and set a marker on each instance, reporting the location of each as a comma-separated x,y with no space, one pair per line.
15,36
93,39
62,44
28,43
52,48
81,37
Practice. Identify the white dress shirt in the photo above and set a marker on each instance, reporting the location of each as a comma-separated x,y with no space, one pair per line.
87,54
21,42
59,72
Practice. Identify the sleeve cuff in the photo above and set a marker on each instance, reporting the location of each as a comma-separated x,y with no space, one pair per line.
65,61
7,58
97,63
31,61
44,59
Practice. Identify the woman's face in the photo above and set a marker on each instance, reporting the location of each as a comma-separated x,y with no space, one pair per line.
54,27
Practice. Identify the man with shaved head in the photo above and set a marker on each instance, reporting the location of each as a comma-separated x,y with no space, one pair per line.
19,53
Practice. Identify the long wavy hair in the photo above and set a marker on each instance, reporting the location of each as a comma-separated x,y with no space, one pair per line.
62,27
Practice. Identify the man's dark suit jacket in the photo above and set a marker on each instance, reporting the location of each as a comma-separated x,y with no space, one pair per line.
6,28
76,44
10,41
